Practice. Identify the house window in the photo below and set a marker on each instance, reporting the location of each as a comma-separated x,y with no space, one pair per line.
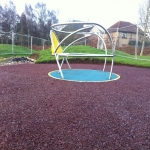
124,35
130,35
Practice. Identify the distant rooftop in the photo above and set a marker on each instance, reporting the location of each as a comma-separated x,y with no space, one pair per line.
124,26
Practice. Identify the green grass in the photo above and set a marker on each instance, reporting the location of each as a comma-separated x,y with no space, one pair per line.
132,62
6,51
46,57
83,49
120,57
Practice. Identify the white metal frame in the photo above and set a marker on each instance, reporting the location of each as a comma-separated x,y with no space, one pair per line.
80,31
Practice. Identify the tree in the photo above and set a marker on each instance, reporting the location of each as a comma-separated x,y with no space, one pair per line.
23,24
32,22
144,14
30,19
45,18
32,26
10,17
23,28
1,15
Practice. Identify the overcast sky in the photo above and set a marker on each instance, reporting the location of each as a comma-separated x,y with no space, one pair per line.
105,12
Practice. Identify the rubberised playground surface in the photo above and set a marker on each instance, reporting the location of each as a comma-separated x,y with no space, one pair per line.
40,112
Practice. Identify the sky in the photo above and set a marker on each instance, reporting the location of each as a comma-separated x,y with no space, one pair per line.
104,12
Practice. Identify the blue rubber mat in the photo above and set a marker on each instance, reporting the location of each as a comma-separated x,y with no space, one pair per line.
84,75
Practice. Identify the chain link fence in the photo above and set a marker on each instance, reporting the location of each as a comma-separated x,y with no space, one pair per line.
29,43
127,39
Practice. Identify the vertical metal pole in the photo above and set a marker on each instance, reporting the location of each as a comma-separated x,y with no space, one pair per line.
12,42
136,45
116,40
98,42
31,44
43,43
28,38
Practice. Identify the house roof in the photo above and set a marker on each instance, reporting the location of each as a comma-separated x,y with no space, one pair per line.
124,26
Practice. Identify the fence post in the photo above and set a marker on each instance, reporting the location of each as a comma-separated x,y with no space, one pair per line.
115,43
12,42
31,43
28,40
136,45
43,43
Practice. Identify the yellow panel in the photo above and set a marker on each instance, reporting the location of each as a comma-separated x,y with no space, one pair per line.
55,43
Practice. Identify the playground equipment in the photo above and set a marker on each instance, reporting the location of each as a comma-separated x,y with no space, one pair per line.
82,30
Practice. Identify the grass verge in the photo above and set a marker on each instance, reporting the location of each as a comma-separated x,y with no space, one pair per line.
6,51
46,57
120,57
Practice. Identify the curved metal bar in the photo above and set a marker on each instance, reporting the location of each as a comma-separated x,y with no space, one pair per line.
86,37
68,32
74,42
89,36
105,50
78,32
69,36
87,23
112,62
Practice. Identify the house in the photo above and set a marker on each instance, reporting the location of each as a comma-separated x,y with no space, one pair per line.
95,41
124,33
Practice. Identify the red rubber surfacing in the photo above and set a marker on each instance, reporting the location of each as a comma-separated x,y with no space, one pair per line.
39,112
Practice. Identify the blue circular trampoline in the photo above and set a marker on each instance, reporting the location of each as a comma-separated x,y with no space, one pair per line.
84,75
